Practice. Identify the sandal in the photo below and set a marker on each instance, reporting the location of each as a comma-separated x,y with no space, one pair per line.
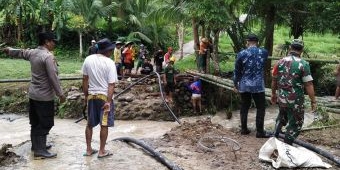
94,151
105,155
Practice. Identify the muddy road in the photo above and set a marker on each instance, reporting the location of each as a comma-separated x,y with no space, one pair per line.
178,143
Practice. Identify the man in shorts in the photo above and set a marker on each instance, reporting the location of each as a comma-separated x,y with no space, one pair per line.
169,80
99,78
196,89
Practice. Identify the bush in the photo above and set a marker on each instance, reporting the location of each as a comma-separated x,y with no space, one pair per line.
324,80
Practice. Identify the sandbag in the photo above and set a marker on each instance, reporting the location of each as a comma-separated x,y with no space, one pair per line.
281,154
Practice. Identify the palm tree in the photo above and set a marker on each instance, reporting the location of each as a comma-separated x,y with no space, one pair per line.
84,14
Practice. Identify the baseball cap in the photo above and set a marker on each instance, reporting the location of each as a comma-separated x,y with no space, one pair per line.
252,37
105,45
93,41
297,44
119,43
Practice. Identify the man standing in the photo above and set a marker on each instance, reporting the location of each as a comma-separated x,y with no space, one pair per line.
117,57
44,86
249,82
99,76
128,58
203,52
291,75
93,47
167,56
169,80
196,89
141,56
158,60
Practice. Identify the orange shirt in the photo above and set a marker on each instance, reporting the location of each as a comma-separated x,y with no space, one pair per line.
128,55
203,48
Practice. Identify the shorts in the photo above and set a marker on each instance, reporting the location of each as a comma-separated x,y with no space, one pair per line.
96,114
196,96
140,63
118,67
128,66
170,87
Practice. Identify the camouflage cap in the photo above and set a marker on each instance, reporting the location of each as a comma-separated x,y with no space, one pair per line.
297,44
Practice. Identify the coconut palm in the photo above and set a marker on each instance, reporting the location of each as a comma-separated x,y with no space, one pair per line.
83,16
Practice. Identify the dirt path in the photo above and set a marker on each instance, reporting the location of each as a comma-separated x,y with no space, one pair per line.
188,49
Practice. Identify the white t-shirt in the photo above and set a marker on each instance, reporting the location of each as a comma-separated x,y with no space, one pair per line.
101,71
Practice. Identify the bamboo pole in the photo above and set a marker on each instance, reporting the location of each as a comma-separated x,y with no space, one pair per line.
333,61
228,84
320,127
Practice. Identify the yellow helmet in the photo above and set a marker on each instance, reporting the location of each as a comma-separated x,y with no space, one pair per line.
173,59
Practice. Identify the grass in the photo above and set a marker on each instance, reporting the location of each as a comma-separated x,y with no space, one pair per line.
324,46
19,68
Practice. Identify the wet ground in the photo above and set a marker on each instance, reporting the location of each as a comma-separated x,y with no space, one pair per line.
178,143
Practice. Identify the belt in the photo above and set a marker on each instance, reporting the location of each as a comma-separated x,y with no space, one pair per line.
97,96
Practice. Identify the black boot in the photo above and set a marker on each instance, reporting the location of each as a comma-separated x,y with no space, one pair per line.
48,146
33,142
244,128
40,151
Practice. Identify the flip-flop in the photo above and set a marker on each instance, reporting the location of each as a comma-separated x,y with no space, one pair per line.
105,155
94,151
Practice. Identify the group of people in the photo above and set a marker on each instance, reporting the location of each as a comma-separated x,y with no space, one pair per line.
100,74
124,56
291,75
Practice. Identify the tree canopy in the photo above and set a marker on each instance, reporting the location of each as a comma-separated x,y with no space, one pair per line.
153,22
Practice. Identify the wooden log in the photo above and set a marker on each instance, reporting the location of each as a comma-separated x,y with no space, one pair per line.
332,61
228,84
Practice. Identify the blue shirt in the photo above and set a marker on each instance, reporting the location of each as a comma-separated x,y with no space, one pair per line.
249,70
196,87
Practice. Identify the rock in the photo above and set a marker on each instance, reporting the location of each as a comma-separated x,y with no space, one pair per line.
121,99
149,89
129,98
74,88
73,95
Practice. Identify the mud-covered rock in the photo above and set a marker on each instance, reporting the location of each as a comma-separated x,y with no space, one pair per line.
7,156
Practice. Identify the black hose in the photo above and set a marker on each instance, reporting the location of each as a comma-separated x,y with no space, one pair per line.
154,153
133,84
166,104
315,149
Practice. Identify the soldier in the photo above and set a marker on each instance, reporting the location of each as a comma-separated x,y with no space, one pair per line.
291,75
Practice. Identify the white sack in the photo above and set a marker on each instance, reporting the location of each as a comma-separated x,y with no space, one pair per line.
289,156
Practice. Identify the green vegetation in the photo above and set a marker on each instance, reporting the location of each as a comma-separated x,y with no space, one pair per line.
20,69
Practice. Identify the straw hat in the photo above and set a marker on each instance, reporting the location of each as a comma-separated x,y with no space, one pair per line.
205,40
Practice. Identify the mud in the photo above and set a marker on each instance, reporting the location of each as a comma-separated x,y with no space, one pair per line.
194,145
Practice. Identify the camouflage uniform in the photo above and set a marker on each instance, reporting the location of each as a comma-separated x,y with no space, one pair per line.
291,73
